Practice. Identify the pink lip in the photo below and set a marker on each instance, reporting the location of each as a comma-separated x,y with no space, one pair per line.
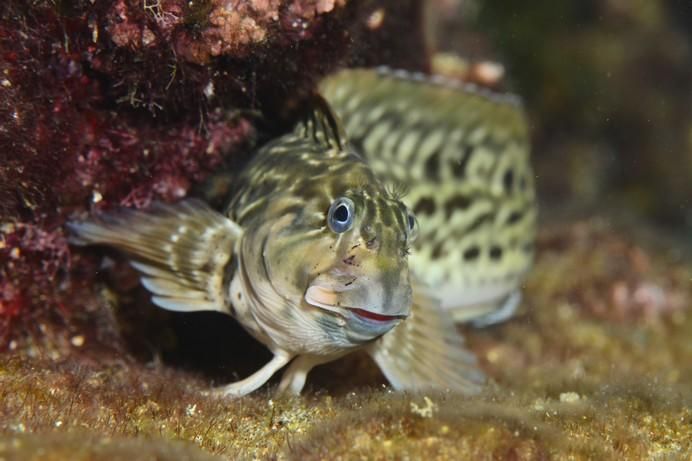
373,316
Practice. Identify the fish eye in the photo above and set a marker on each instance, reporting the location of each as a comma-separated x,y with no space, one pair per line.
412,227
340,215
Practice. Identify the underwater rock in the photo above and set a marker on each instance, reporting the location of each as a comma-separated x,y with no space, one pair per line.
85,447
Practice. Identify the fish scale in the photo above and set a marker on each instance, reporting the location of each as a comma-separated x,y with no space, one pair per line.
463,155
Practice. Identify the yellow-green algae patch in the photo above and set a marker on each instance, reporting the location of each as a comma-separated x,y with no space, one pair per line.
597,366
88,446
615,419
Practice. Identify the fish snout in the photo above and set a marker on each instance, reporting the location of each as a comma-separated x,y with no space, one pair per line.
381,298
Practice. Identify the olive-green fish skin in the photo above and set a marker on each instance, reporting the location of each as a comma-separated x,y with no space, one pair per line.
295,180
295,172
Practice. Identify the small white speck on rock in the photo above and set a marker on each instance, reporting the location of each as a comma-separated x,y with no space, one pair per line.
209,90
569,397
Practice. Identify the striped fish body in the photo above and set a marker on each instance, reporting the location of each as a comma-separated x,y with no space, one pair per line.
282,200
462,153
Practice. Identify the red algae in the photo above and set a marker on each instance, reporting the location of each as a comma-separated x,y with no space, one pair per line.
64,151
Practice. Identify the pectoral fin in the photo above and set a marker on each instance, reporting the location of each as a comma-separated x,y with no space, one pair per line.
426,351
181,250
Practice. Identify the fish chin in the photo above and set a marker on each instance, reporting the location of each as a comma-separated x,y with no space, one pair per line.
327,299
362,329
360,325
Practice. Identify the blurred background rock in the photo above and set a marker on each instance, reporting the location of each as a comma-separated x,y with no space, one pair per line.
608,87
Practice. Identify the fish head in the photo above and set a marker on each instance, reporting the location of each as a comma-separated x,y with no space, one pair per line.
346,259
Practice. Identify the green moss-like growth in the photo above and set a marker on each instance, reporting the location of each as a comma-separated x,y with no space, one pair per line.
584,372
83,446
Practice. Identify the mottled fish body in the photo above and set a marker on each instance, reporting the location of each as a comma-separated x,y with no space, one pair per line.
462,154
310,256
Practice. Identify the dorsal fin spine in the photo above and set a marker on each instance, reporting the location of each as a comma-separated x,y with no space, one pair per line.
322,125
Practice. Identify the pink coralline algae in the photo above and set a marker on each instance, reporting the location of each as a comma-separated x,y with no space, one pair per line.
65,150
205,29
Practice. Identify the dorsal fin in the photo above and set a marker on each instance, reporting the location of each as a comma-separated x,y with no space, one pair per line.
321,124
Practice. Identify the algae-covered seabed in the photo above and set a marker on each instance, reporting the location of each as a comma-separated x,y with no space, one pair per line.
598,364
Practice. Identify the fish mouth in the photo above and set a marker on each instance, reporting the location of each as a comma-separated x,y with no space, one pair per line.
370,315
328,299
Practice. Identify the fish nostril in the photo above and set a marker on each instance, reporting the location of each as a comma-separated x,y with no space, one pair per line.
371,244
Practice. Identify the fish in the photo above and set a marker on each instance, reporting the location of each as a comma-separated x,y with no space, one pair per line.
310,256
463,153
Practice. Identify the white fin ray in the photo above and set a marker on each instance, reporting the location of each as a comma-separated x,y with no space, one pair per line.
426,352
161,286
181,250
183,304
153,271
